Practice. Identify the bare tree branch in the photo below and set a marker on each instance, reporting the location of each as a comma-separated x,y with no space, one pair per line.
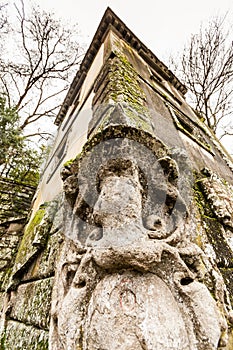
207,71
49,56
3,18
39,133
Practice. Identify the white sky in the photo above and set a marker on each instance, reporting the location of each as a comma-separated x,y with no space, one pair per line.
162,25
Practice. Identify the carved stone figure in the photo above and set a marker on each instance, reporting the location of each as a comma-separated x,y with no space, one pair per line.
135,252
134,282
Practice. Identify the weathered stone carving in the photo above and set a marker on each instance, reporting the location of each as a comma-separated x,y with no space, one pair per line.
140,261
132,279
130,275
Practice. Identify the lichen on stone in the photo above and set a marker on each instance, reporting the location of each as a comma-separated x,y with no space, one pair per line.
19,336
26,248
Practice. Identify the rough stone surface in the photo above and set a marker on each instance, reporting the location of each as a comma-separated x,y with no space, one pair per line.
27,250
119,316
137,252
219,195
19,336
10,237
45,263
31,303
2,297
139,266
124,246
26,301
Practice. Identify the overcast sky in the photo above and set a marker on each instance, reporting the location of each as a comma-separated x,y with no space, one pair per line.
163,26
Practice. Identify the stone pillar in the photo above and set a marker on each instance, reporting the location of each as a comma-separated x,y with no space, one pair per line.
136,251
130,274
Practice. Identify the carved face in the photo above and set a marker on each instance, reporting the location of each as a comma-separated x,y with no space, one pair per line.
120,201
118,209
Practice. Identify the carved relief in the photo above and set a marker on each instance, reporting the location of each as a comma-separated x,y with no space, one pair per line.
129,276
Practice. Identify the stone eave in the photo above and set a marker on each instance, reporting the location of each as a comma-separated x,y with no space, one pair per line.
108,22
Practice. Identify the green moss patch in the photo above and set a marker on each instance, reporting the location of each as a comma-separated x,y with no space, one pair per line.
26,249
33,302
19,336
123,84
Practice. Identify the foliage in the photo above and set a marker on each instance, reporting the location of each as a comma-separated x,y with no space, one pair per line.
19,167
17,160
9,131
206,67
38,58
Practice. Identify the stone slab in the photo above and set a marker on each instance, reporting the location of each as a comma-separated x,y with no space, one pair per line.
44,264
31,303
19,336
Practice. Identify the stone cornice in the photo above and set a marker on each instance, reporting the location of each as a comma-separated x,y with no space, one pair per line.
111,21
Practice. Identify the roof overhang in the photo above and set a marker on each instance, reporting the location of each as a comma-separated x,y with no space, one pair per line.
108,22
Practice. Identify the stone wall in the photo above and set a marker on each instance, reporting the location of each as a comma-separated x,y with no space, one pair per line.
27,288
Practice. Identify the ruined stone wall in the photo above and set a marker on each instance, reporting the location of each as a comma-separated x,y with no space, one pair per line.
27,278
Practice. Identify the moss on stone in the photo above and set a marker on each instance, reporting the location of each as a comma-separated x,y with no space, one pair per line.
5,278
2,340
19,336
227,274
124,86
68,163
28,237
44,265
212,226
198,240
33,303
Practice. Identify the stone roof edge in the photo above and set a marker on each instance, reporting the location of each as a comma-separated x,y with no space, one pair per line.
111,20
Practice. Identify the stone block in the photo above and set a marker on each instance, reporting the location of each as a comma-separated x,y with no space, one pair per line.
3,263
19,336
9,240
31,303
5,254
2,297
8,250
5,277
27,249
227,276
35,237
44,264
58,218
15,227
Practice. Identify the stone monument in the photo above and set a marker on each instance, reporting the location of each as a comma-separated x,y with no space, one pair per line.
133,249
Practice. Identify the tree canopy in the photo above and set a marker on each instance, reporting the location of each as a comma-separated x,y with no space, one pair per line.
39,56
18,161
19,165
